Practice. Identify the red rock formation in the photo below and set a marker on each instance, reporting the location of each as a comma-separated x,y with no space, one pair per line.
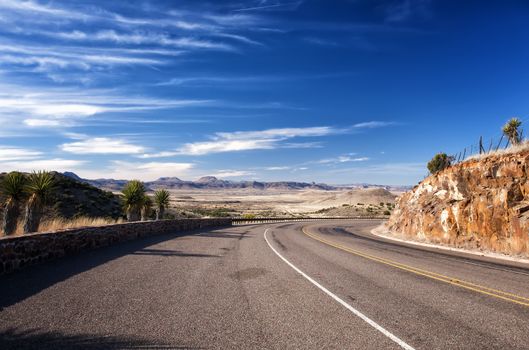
480,203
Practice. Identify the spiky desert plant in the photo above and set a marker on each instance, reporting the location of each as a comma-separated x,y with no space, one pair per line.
133,197
39,186
13,186
146,208
161,199
512,130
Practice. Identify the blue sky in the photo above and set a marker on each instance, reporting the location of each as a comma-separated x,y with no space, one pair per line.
326,91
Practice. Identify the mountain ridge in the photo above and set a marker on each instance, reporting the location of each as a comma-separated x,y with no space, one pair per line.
212,182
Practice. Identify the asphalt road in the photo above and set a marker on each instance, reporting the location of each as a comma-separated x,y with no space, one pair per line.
299,286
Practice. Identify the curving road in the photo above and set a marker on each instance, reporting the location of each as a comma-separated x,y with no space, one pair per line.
279,286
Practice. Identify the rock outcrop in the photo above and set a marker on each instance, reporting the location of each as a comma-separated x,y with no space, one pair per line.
480,203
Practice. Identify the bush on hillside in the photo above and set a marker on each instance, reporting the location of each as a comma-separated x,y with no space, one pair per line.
439,162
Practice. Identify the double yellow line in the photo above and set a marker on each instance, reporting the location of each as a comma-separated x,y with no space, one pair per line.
513,298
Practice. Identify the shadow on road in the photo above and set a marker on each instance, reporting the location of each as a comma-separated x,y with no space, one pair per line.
36,339
164,252
22,284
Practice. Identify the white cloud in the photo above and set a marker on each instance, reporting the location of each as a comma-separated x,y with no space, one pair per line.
283,133
233,173
141,171
203,148
372,125
13,153
102,145
252,140
47,123
275,168
240,38
51,59
138,37
162,154
34,7
56,164
342,159
248,140
60,108
286,6
302,145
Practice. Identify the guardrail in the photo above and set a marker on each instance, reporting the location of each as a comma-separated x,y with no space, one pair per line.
243,221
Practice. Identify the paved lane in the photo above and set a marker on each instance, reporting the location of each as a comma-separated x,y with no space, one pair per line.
228,289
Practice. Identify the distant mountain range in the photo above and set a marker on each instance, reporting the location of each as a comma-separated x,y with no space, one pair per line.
212,183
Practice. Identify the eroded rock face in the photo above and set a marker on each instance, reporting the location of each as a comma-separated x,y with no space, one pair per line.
478,203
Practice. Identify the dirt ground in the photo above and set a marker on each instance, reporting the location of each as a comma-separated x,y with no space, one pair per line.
282,203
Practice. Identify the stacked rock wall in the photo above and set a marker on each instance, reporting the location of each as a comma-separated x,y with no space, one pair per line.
20,251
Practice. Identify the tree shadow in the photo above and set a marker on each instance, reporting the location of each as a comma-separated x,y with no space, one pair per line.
164,252
13,338
238,236
22,284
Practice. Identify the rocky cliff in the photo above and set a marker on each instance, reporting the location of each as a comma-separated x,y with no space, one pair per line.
480,203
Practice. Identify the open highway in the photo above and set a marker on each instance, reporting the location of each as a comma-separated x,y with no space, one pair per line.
302,285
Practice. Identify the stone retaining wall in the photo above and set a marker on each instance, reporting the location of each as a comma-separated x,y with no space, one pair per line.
20,251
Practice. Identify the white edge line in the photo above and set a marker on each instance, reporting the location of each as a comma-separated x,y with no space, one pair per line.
372,323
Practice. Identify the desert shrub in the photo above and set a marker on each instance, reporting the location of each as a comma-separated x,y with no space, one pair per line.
387,212
439,162
249,216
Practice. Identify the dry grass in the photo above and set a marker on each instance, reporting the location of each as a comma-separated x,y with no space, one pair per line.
524,146
58,224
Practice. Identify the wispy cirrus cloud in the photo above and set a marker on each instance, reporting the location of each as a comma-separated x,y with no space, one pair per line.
238,141
222,142
145,171
28,165
28,6
102,145
9,153
99,33
56,58
63,107
342,159
271,6
232,173
373,125
144,37
404,10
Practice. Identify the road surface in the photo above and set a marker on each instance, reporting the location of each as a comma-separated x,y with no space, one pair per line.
304,285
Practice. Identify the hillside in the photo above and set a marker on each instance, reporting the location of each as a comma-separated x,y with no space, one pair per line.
480,203
73,198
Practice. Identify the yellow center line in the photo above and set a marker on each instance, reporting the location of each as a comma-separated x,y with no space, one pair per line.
517,299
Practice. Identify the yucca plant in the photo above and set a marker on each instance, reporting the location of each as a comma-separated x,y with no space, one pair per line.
161,199
38,188
512,130
133,198
146,208
13,186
